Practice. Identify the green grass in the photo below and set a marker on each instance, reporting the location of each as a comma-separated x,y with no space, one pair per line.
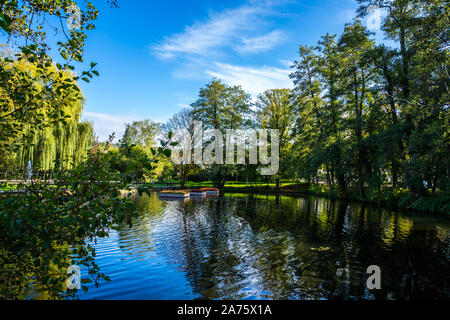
8,187
237,184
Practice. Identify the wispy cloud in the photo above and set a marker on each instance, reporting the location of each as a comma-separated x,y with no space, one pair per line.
261,43
203,48
253,80
205,37
287,63
223,29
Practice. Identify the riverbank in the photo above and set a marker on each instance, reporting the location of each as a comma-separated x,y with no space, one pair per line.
387,197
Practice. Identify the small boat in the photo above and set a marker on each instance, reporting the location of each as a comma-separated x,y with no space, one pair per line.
174,194
211,191
198,193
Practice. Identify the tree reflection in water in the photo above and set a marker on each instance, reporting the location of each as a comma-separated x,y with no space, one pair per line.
276,247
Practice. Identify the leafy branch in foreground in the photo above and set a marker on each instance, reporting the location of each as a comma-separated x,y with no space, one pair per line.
47,227
31,83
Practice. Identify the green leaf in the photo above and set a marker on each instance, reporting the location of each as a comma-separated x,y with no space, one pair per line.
65,55
5,22
167,152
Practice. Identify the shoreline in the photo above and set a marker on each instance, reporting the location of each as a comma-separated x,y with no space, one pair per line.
400,202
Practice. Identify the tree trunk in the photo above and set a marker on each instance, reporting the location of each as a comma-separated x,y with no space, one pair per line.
394,173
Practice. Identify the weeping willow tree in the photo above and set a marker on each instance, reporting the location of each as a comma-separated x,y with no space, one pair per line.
62,146
49,141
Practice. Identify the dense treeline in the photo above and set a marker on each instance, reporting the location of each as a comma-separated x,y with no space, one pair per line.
370,115
370,120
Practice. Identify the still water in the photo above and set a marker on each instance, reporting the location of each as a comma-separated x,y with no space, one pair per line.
272,247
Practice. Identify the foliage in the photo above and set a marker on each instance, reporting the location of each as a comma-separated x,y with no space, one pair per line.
45,225
140,133
220,106
40,100
275,110
48,224
135,150
182,120
371,116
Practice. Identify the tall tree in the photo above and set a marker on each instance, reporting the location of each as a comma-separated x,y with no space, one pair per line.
275,110
222,107
418,84
358,74
141,133
309,133
329,70
182,120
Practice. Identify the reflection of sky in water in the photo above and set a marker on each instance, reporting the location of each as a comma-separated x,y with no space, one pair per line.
270,247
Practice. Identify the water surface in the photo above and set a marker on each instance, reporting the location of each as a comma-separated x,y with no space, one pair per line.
272,247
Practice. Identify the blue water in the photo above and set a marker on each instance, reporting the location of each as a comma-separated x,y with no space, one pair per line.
267,247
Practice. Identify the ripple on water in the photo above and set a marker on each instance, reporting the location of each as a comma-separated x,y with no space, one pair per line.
267,248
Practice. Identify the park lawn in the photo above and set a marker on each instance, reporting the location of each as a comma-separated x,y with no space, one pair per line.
243,184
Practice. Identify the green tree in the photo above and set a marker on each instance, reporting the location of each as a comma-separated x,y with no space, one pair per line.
309,136
141,133
358,76
275,110
45,228
334,126
417,82
182,120
37,96
222,107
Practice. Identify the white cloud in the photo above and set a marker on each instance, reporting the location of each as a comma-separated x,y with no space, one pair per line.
224,29
199,50
253,80
203,37
287,63
105,124
261,43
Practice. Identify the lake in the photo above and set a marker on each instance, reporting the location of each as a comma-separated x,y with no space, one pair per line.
272,247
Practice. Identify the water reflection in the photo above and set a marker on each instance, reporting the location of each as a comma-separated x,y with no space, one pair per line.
272,247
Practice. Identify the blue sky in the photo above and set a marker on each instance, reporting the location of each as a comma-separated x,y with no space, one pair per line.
154,56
